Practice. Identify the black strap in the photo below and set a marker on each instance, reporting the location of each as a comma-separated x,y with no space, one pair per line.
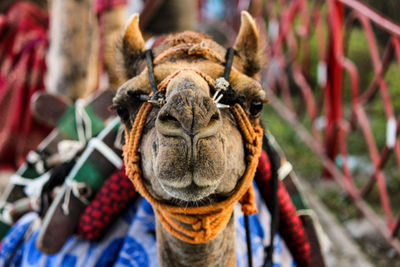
150,71
232,96
274,161
248,241
228,62
57,178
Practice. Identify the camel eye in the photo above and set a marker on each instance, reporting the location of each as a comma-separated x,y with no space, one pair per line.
256,107
123,113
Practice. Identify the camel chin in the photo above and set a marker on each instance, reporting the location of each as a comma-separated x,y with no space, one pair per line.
191,193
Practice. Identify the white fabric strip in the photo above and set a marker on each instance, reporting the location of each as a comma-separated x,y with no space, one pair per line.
34,188
284,170
18,180
83,158
107,152
83,121
88,151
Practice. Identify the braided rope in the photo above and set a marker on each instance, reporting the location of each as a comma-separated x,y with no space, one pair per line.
164,83
190,49
197,224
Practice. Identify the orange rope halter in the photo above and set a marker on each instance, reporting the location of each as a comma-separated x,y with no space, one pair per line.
197,224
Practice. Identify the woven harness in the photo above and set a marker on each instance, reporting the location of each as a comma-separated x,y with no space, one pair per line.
195,224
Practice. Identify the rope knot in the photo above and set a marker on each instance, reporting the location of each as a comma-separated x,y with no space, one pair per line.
198,49
205,221
251,149
248,202
135,159
197,225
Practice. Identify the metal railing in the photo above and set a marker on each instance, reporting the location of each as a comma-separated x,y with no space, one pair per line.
335,95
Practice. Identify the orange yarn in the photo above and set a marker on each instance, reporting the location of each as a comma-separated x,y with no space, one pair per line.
197,224
190,49
164,84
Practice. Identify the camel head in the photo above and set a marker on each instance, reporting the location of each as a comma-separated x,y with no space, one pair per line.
191,150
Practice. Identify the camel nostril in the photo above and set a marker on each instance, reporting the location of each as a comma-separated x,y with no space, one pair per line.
167,120
167,117
123,113
168,124
214,119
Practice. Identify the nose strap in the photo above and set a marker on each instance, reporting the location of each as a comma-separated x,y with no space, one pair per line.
164,84
158,97
228,62
150,70
224,95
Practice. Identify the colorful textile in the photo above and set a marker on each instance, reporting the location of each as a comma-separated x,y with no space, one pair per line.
290,225
115,194
23,45
130,241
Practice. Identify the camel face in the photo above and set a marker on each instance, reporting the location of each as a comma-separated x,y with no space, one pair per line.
192,152
196,150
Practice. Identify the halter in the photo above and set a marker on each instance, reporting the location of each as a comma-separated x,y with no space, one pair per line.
197,224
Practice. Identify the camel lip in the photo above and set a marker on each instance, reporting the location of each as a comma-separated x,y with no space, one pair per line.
190,193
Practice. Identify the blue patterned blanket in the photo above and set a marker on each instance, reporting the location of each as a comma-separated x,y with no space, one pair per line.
131,242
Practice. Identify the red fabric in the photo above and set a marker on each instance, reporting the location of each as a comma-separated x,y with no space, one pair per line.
23,45
115,194
290,225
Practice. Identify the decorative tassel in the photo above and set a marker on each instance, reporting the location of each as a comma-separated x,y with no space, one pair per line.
248,202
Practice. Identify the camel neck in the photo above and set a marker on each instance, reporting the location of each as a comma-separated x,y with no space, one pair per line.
219,251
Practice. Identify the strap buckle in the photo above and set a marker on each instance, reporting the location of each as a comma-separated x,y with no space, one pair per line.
221,86
157,99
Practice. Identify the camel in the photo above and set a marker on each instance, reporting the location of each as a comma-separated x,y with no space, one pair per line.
190,153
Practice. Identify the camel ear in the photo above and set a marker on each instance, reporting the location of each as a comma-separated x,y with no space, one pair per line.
132,47
247,44
133,41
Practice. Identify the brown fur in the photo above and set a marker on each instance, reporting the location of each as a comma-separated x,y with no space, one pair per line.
191,152
132,46
248,45
219,252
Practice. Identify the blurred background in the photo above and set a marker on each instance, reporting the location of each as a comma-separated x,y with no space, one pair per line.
332,76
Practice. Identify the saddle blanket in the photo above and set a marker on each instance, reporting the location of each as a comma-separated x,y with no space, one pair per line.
131,242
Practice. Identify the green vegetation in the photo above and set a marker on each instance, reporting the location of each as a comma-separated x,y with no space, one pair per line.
305,162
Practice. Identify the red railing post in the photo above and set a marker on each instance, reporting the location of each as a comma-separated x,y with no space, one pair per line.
333,87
